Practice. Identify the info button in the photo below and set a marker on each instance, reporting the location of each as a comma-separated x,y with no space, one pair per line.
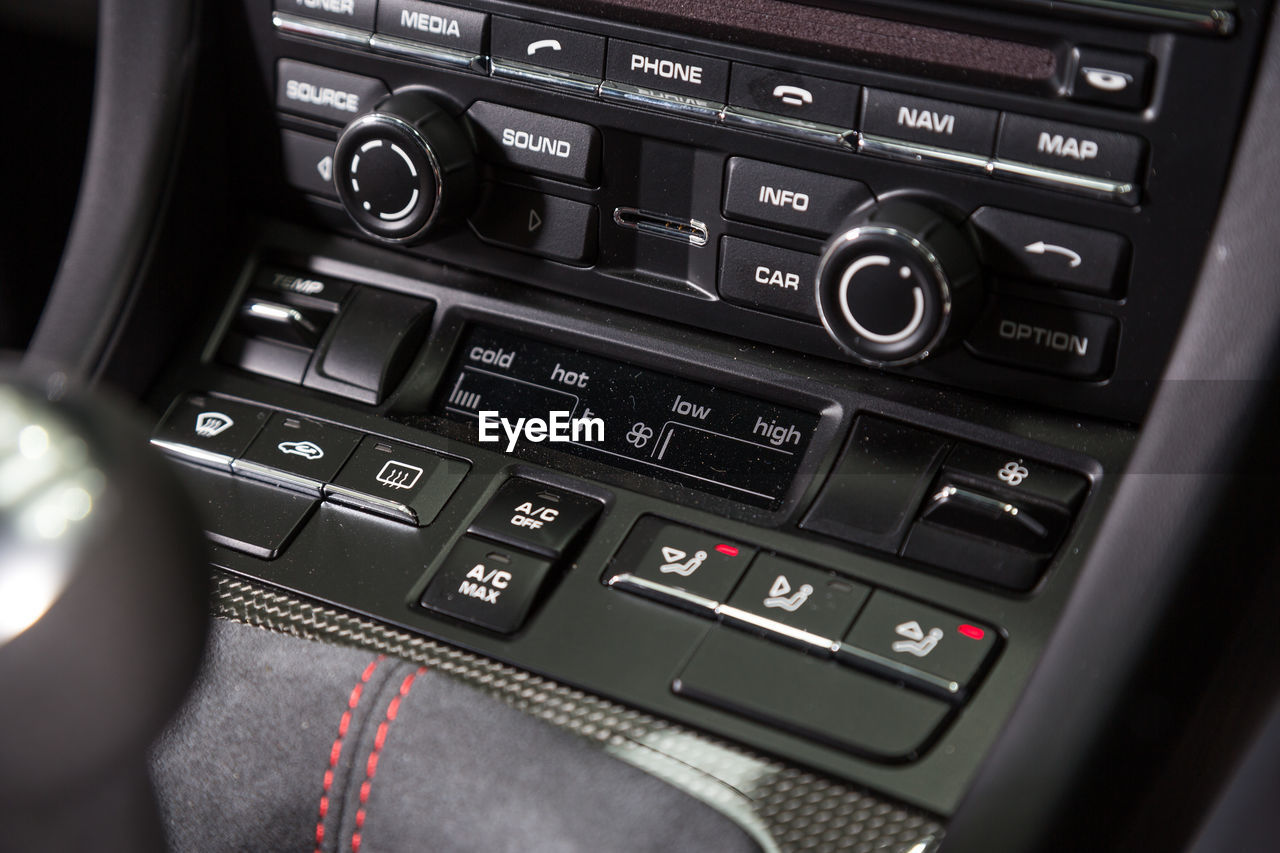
782,197
398,481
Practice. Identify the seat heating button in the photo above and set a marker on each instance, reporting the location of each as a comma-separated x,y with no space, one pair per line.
486,584
402,482
1072,256
532,142
325,94
782,197
209,430
783,597
678,564
536,517
1049,338
431,23
926,121
940,648
768,278
297,452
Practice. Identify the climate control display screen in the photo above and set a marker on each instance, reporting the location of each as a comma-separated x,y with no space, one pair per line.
518,392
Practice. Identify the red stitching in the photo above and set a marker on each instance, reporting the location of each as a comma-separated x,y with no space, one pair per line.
335,751
371,766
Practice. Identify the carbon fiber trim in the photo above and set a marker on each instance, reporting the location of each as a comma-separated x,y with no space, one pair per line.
784,807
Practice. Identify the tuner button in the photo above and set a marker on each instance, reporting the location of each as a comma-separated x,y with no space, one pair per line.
896,282
404,169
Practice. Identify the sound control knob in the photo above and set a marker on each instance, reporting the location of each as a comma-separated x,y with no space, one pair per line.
405,168
896,282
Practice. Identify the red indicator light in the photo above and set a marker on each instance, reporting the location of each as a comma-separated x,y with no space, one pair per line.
973,632
727,550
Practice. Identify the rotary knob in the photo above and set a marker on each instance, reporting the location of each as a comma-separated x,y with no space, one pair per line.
405,169
896,282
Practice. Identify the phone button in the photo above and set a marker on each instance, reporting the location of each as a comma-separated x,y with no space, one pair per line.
552,48
798,96
940,124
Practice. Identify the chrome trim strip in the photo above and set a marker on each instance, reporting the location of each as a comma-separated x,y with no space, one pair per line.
429,53
360,500
749,618
258,471
194,454
946,686
666,101
660,591
1125,191
807,131
294,25
574,83
912,152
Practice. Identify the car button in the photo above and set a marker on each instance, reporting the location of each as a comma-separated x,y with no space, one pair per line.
532,142
782,197
209,430
938,648
796,96
308,163
1073,256
665,70
1090,151
678,564
357,14
486,584
398,481
552,48
768,278
796,602
1112,77
540,518
431,23
811,697
297,452
926,121
1050,338
325,94
539,224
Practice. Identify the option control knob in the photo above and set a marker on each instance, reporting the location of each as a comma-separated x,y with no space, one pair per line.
896,282
405,168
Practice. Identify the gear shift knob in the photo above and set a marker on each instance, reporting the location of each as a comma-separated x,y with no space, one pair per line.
103,613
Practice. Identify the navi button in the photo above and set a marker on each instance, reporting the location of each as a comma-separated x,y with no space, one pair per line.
679,565
208,430
296,452
401,482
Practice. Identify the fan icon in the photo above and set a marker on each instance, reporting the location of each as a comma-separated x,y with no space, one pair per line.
639,435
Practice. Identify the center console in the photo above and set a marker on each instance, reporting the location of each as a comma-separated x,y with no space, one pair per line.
766,369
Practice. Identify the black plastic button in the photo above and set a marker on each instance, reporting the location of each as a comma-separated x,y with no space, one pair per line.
797,96
536,517
325,94
539,224
782,197
304,289
297,452
779,594
876,486
209,430
812,697
308,163
1090,151
432,23
976,556
1112,77
1048,338
666,70
374,338
257,519
357,14
1032,247
489,585
552,48
532,142
679,564
1013,476
941,124
941,649
401,482
768,278
275,359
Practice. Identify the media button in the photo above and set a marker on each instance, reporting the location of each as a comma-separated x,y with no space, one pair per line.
666,70
459,30
552,48
768,278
